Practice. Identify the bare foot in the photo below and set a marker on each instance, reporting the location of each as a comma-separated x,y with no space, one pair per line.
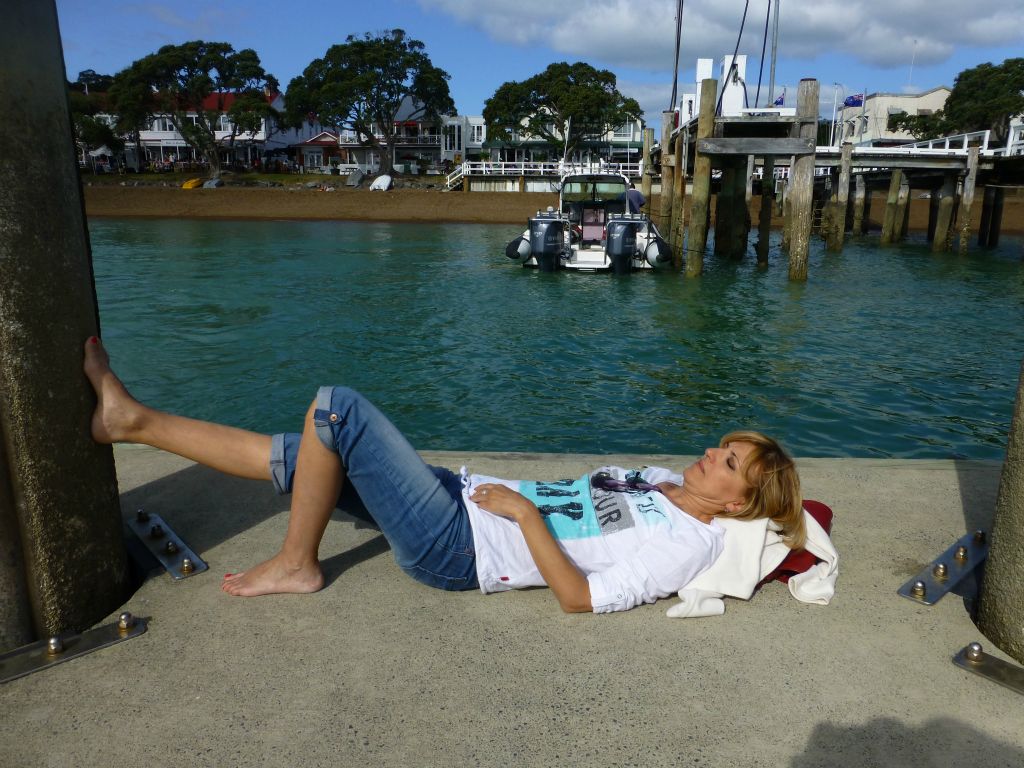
275,577
117,414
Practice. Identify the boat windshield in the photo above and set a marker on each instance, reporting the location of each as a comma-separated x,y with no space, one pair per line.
593,191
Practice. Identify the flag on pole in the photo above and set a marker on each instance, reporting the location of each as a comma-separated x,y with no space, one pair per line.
856,100
781,100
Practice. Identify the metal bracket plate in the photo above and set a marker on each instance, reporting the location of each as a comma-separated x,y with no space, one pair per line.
59,648
166,546
947,570
974,659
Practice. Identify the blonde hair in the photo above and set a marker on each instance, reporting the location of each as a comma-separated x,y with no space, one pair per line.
774,486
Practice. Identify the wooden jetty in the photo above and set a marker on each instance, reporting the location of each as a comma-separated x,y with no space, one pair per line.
823,190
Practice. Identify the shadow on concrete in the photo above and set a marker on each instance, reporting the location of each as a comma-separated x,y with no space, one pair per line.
887,742
979,485
205,508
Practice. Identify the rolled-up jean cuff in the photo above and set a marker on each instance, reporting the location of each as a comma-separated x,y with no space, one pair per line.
278,466
324,418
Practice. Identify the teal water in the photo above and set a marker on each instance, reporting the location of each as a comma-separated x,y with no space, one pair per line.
883,352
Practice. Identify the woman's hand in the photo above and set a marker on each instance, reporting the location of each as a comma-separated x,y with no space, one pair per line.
502,501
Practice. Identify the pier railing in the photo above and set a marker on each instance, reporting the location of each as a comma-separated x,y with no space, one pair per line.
523,168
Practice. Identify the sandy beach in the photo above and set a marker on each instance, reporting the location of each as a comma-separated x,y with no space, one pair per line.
397,205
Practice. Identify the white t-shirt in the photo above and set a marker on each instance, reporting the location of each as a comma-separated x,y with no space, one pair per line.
633,547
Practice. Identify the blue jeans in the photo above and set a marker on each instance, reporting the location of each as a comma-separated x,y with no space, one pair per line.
418,508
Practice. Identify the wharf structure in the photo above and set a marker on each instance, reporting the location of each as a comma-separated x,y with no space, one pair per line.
824,189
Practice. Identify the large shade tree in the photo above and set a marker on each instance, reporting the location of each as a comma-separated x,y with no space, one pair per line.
365,84
983,98
198,80
88,101
564,105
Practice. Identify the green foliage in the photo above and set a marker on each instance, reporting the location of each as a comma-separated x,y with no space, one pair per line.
985,98
921,127
90,82
177,80
563,105
361,85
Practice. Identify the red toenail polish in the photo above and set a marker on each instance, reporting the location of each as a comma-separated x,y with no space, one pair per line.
93,340
228,575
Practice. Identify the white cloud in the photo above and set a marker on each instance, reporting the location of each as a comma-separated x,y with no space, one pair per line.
200,25
641,33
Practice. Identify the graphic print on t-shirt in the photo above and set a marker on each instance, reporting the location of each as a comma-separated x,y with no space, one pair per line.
572,509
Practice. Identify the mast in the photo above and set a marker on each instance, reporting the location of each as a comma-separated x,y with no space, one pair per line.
775,49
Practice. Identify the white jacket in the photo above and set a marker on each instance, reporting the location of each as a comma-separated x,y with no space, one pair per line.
753,549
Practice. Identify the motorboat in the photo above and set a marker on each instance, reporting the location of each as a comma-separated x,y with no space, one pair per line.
592,230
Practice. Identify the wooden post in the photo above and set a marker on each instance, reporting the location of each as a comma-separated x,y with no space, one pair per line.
902,209
724,204
522,183
941,237
645,180
667,172
802,178
1001,608
748,192
697,240
859,197
63,564
787,214
678,196
991,217
963,219
889,225
837,232
764,220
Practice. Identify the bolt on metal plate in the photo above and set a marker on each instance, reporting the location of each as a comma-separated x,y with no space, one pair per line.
166,546
946,571
973,658
60,648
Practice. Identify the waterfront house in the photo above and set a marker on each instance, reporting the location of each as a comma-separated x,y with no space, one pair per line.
867,123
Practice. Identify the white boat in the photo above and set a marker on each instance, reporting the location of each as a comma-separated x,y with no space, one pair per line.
591,231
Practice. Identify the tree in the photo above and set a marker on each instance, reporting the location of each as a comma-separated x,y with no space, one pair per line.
362,84
87,99
201,80
564,105
983,98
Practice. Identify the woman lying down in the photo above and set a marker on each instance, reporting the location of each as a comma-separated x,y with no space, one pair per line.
605,542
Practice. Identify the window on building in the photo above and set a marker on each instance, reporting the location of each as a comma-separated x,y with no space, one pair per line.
477,134
624,131
453,138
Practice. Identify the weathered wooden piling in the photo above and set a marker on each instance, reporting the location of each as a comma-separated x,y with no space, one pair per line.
668,160
963,216
724,207
859,200
802,180
764,217
697,238
1001,609
945,197
646,178
63,563
678,197
903,209
837,220
991,217
889,225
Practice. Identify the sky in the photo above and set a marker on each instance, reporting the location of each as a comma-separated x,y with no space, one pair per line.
850,46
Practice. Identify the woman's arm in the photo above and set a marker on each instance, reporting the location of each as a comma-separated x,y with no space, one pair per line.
567,582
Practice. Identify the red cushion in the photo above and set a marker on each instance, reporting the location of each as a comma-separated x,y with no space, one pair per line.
800,560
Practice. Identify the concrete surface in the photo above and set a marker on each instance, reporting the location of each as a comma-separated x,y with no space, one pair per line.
377,670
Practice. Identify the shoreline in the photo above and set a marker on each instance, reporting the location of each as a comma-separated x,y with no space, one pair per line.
407,205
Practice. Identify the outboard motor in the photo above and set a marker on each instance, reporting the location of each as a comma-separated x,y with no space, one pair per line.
547,238
519,250
658,253
621,245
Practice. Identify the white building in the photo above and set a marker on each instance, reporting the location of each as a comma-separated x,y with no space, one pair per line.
732,91
867,125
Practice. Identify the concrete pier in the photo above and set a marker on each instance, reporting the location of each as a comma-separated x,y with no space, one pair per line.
377,670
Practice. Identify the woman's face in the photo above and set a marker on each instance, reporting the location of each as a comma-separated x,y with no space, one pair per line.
717,477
